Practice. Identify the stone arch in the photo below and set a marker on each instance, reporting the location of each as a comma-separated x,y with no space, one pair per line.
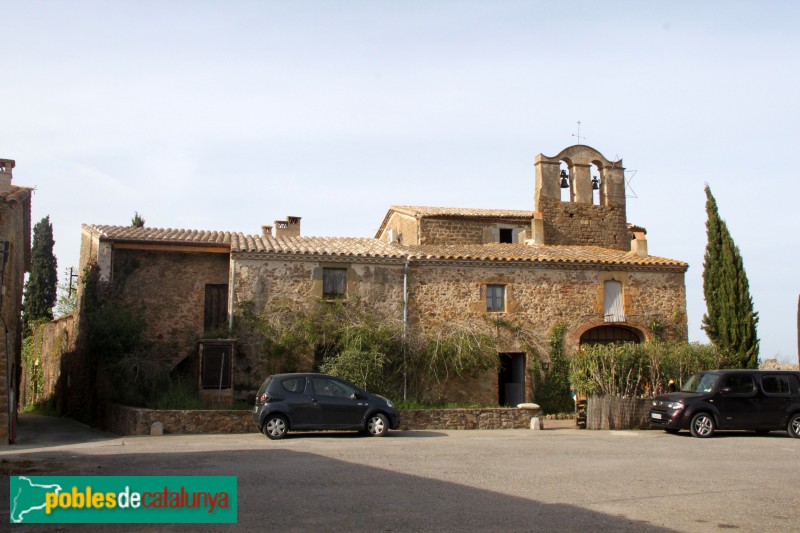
568,193
600,332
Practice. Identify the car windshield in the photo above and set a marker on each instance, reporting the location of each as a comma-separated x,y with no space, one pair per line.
702,382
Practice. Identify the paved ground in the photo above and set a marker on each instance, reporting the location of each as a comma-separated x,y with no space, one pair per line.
507,480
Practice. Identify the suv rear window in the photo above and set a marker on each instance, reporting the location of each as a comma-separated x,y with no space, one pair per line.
776,384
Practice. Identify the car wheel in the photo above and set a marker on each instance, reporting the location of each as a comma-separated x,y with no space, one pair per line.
377,425
702,425
793,427
276,427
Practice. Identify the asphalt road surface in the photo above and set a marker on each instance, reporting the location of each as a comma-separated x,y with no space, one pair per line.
502,480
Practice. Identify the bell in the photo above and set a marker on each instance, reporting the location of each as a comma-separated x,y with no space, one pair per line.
564,180
595,183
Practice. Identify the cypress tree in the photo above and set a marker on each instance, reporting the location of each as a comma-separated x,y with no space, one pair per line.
41,288
730,322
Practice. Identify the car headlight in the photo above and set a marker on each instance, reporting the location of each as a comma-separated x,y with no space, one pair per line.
390,404
674,405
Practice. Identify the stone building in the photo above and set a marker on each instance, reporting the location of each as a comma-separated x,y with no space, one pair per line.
574,260
15,260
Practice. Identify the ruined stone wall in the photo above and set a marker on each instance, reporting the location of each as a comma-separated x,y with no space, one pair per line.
570,223
261,283
168,288
453,296
463,231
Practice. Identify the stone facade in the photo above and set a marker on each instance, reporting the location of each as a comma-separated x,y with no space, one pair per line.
15,260
168,289
576,263
261,282
537,299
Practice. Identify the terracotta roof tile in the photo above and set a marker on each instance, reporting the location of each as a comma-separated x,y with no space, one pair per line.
423,211
338,246
366,247
160,235
536,254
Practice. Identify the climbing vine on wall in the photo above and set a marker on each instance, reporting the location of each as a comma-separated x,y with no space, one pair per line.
552,388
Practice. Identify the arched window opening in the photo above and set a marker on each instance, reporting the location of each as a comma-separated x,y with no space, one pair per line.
595,175
610,335
566,183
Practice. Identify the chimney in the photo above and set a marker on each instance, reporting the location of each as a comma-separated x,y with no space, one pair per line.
266,231
639,243
288,228
5,175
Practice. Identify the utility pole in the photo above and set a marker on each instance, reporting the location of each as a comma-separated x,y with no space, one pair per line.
71,276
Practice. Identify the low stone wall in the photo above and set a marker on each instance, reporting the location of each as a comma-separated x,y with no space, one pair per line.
508,418
136,421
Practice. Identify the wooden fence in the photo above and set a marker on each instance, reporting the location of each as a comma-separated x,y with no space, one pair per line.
613,412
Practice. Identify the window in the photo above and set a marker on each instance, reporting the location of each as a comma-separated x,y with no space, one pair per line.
740,384
334,282
506,235
330,387
294,384
495,298
612,296
216,308
775,384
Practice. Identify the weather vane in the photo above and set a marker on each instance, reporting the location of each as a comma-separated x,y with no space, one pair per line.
578,135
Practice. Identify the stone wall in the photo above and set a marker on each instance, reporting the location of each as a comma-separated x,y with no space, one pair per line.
570,223
464,230
452,296
124,420
51,342
262,284
168,288
15,229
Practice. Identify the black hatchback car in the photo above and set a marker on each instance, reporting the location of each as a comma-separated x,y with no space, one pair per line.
757,400
318,401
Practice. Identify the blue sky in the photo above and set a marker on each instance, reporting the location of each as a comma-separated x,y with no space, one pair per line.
230,115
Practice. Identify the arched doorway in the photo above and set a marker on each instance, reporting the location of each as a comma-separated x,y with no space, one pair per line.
610,335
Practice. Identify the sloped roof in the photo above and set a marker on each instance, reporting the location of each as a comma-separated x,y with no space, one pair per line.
538,253
16,194
237,242
452,212
160,235
422,211
337,246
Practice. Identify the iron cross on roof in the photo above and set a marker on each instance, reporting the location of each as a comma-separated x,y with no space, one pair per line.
578,135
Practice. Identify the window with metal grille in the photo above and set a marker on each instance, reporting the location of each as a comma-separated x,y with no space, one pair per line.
216,366
495,298
334,282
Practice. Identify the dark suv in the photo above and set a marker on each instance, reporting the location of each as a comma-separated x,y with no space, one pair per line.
319,401
758,400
